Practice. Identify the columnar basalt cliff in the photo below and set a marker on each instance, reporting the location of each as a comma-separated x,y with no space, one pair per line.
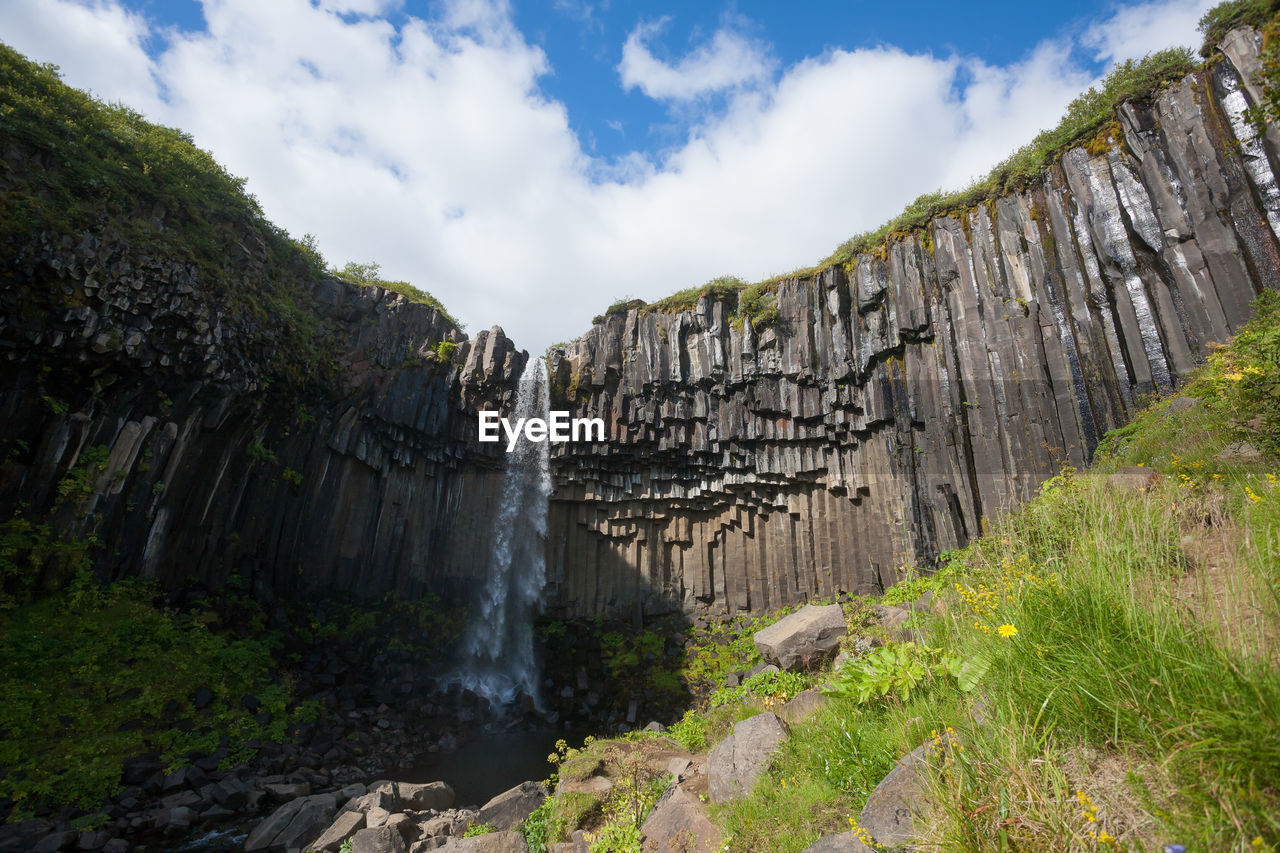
139,408
901,399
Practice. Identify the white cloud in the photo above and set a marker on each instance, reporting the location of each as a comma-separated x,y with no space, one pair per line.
1134,31
728,61
98,44
433,151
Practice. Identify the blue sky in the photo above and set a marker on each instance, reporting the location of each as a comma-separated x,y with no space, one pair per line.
528,163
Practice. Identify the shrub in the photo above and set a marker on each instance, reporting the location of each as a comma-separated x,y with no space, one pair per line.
368,275
690,731
1221,19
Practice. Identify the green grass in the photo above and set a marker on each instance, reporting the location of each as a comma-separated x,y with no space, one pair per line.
368,275
88,676
104,170
1224,17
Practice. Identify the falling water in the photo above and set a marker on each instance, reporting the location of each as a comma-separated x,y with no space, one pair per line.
497,652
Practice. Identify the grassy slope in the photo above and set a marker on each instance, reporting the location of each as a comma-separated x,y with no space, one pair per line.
105,170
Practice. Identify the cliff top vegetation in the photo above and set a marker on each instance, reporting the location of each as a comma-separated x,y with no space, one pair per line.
103,169
1089,121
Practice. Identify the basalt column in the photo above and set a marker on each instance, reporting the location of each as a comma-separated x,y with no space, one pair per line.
899,400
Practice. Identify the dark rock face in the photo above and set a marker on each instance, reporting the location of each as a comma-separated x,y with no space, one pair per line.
900,400
199,462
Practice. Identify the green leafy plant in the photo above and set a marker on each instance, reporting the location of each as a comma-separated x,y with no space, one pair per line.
445,351
898,669
690,731
775,684
479,829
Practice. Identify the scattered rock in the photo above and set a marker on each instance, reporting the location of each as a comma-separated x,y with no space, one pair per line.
54,842
1182,404
1240,451
803,639
738,760
890,810
295,824
679,822
891,616
493,842
677,767
285,791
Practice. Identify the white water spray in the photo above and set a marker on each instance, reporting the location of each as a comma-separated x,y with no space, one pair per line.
497,652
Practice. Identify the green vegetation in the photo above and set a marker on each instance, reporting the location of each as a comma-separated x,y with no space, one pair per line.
104,170
1087,118
92,675
445,351
368,275
31,551
479,829
1224,17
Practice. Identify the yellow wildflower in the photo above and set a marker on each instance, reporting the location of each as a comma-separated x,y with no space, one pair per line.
1006,630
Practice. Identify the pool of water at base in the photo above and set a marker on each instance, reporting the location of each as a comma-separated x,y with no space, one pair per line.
491,763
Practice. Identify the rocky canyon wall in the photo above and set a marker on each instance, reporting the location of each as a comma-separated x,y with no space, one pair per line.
141,407
904,397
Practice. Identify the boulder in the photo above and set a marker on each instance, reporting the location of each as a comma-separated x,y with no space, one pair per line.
285,791
845,842
56,841
802,706
679,822
406,826
738,760
295,824
803,639
493,842
890,811
344,826
384,839
891,616
1181,404
423,796
510,807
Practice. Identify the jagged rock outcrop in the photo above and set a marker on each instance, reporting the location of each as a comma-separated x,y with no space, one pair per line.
903,398
138,407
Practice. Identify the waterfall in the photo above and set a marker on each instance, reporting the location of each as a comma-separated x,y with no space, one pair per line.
497,651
